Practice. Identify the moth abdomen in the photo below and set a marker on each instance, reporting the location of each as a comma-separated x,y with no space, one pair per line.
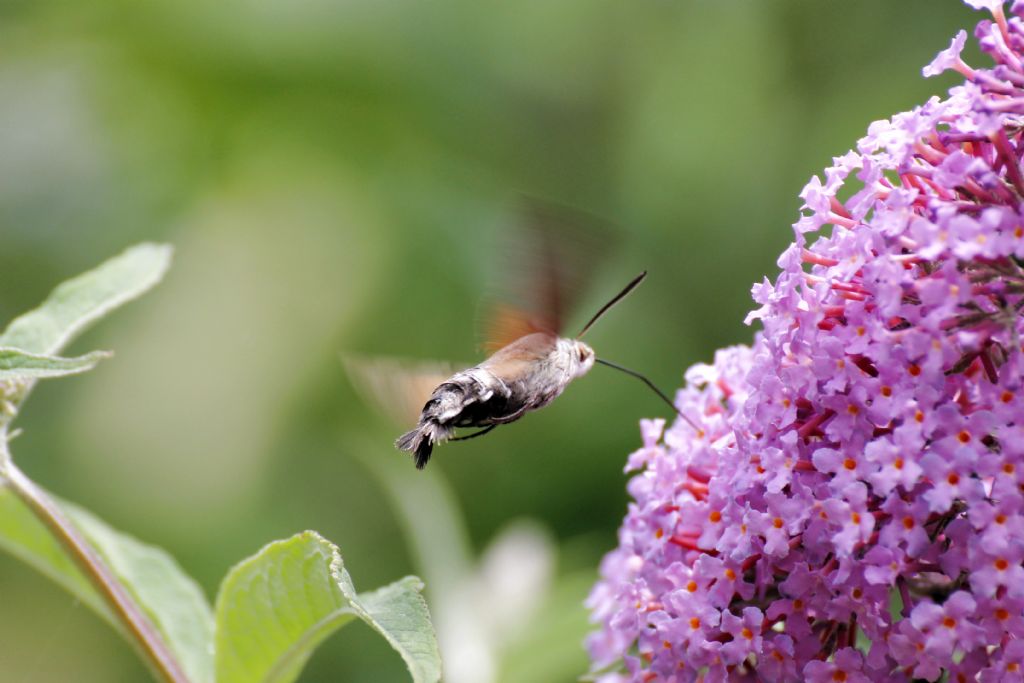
469,398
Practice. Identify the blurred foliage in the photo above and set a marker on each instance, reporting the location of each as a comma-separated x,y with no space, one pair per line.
333,174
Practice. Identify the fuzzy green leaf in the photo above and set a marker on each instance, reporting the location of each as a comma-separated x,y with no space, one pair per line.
18,364
80,301
399,613
277,606
25,537
172,600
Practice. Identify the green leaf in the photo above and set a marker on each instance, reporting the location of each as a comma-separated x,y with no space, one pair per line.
25,537
172,600
274,608
399,613
18,364
82,300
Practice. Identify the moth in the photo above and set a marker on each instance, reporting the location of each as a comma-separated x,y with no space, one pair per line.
532,362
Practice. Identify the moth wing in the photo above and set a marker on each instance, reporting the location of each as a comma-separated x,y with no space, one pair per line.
516,360
396,388
506,323
549,255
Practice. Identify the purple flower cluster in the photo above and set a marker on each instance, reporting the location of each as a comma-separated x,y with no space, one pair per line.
852,508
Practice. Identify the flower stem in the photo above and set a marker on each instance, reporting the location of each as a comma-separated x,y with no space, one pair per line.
149,641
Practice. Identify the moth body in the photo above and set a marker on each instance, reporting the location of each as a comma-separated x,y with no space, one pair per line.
550,259
525,375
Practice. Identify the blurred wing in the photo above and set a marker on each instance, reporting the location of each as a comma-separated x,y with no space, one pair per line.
549,255
506,323
396,388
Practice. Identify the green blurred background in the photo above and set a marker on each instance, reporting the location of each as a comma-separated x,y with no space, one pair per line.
332,174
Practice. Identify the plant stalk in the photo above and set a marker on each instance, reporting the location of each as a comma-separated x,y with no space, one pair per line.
154,650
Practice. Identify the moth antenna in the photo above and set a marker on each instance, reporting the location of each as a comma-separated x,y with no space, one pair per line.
646,381
616,299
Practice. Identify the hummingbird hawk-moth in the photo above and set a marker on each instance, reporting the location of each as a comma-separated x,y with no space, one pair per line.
532,362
